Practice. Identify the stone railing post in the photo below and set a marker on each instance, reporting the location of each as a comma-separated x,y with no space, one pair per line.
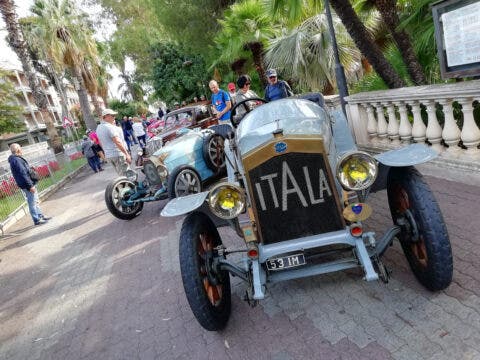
470,134
358,122
392,128
371,123
451,132
382,124
434,130
419,129
405,129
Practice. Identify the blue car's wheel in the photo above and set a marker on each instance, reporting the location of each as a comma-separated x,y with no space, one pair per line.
117,194
184,180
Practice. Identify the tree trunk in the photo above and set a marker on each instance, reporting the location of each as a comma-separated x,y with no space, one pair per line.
16,42
83,98
238,66
96,105
257,53
364,41
388,10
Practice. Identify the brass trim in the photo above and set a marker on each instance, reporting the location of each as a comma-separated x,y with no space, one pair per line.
295,144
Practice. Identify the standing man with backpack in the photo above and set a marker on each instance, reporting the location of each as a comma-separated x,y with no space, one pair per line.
221,103
276,89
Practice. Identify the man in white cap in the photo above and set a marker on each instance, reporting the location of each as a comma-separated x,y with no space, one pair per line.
111,140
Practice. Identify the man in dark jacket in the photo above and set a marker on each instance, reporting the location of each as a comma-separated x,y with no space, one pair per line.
21,174
276,89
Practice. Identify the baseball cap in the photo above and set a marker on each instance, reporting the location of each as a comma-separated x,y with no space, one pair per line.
271,72
108,112
231,86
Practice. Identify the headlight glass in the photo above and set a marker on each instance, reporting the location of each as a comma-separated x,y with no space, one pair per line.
162,171
226,201
357,171
131,175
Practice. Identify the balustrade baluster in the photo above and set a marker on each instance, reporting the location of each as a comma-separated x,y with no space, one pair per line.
381,124
470,134
392,124
451,132
418,129
371,123
405,129
434,130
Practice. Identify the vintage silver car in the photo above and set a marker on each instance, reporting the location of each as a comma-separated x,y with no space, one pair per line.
297,194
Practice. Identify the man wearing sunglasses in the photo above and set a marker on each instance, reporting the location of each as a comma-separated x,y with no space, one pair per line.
276,89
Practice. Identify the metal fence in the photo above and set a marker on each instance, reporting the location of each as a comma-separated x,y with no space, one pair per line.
51,172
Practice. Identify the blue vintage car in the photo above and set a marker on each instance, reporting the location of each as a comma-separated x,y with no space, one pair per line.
179,168
297,196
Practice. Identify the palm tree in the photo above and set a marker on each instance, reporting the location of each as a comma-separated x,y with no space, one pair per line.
68,42
17,43
246,27
390,17
306,54
360,35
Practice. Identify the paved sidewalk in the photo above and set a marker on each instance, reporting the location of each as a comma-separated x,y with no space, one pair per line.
90,286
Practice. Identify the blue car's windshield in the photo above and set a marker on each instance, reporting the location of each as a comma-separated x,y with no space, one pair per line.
294,116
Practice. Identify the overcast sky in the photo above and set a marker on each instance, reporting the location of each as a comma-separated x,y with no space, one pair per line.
8,58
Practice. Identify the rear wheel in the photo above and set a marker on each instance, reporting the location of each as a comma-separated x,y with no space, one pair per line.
183,181
424,236
207,288
116,195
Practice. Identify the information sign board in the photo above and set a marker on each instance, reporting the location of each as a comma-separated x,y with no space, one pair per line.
457,33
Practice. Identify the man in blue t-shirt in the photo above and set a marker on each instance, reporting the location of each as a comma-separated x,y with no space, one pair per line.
221,103
276,89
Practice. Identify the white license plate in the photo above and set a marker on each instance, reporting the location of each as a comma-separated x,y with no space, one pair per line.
286,262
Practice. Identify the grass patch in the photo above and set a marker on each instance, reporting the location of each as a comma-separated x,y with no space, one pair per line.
12,202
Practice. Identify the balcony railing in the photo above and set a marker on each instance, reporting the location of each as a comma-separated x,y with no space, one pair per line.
439,115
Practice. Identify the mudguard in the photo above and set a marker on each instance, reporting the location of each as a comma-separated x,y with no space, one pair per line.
412,154
184,205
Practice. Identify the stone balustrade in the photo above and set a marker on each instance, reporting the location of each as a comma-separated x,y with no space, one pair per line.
391,118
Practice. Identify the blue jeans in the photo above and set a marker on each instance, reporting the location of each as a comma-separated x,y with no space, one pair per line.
32,200
94,163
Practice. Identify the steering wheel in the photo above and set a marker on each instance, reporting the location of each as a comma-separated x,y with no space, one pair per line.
235,120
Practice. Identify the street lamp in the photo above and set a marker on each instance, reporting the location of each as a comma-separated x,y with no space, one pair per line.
339,71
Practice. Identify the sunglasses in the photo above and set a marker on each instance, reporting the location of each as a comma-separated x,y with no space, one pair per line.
247,83
272,77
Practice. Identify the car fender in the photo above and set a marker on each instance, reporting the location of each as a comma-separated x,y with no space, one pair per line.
185,204
412,154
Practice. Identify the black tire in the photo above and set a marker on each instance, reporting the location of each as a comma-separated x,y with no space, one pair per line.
214,152
208,293
115,192
183,180
233,112
413,206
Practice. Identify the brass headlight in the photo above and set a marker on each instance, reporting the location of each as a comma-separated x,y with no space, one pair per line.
357,171
226,200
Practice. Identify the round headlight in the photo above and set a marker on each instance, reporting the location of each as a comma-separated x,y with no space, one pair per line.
357,171
131,175
162,171
226,201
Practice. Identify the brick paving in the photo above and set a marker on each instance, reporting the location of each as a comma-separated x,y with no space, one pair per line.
90,286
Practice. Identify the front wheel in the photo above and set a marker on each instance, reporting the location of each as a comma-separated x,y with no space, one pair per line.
424,236
207,288
116,195
183,181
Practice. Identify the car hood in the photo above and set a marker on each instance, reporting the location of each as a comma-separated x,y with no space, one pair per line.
181,145
293,116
